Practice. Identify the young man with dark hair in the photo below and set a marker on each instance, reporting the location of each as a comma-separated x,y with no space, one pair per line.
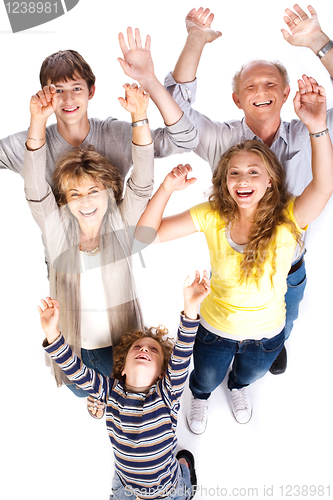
73,78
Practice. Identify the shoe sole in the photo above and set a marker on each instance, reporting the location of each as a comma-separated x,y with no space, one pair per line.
187,455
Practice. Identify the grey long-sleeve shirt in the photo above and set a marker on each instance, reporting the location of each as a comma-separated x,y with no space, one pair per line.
291,144
60,230
111,138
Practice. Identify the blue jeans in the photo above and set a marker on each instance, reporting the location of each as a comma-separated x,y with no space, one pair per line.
212,356
100,360
182,491
296,283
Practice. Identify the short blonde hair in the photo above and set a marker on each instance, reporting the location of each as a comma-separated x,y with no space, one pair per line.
120,351
281,69
82,164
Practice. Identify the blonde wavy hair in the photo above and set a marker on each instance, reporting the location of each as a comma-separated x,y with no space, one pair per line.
81,164
120,351
270,213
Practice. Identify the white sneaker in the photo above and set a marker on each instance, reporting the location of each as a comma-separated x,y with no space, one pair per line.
197,416
240,405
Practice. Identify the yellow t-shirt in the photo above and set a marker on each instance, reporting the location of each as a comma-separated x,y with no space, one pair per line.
244,310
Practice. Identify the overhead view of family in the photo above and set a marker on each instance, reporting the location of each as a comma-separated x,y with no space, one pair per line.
117,218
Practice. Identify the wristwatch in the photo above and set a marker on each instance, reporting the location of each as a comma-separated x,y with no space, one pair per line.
325,49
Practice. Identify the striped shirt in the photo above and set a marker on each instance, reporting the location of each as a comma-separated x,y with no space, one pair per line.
141,426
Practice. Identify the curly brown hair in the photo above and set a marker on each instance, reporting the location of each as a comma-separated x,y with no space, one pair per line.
120,351
270,212
82,164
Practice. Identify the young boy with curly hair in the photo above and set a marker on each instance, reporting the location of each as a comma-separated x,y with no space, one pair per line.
142,398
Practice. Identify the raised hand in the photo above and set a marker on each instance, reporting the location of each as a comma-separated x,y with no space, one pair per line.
49,318
137,62
199,21
43,104
176,180
194,293
304,30
136,99
310,104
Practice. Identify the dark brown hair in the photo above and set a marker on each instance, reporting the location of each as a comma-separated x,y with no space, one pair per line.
120,351
63,66
81,164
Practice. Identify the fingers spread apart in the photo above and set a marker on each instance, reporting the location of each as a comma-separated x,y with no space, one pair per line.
133,39
201,16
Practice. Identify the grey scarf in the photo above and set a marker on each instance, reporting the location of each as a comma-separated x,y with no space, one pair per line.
123,308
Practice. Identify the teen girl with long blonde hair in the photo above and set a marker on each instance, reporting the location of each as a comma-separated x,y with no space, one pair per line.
253,227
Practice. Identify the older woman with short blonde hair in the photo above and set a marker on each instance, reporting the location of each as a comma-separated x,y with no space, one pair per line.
88,227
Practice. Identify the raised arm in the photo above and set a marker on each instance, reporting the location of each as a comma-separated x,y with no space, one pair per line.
198,24
49,317
174,381
136,102
55,344
305,31
194,293
310,106
140,183
42,105
38,192
168,228
138,64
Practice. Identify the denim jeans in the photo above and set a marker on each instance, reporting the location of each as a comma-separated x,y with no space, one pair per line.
212,356
296,283
182,491
100,360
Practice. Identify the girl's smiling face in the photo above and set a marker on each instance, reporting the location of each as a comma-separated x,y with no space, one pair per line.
88,201
247,179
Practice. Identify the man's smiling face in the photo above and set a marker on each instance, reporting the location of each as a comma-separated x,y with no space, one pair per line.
261,92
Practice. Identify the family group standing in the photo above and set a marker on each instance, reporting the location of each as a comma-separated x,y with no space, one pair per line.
270,180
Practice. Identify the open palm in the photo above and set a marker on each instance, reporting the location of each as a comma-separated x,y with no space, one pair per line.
310,102
200,20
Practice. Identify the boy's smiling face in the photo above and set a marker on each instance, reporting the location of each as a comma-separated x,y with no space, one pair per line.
72,101
144,362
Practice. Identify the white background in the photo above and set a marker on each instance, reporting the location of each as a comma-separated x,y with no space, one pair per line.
50,446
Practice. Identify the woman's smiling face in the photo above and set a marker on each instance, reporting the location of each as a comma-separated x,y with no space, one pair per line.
88,201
